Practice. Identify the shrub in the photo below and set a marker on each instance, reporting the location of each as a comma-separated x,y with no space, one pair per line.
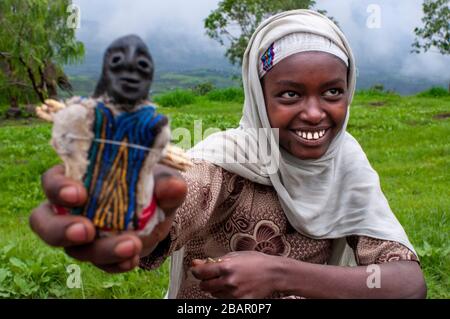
3,109
376,91
226,95
434,92
377,88
175,98
203,88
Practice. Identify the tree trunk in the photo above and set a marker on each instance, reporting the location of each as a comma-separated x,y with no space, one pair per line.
32,78
14,109
6,66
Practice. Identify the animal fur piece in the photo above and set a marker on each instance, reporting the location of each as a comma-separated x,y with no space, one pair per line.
72,138
173,156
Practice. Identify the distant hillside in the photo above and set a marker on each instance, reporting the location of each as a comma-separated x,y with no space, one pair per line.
84,85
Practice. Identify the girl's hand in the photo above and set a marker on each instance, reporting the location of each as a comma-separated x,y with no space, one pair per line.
76,234
246,274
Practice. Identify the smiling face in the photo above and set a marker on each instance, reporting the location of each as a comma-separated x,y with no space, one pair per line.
306,97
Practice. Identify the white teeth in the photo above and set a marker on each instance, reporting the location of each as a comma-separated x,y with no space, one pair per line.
311,135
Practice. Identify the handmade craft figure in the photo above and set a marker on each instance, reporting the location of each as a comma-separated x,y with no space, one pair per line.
113,140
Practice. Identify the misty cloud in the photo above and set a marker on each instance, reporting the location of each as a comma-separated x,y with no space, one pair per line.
175,33
387,48
147,18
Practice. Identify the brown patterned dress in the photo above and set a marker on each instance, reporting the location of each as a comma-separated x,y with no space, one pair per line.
224,212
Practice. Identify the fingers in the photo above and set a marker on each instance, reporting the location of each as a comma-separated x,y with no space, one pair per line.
159,233
170,189
207,271
61,231
212,278
110,251
61,190
77,234
122,267
198,262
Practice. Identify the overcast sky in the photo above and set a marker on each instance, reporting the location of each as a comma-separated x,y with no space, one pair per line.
379,46
145,17
392,40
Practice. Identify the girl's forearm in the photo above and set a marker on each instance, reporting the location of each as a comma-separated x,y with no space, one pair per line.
389,280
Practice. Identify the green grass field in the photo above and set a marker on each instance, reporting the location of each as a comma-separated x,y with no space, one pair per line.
405,138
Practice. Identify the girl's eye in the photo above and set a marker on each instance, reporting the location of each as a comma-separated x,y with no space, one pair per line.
333,93
289,95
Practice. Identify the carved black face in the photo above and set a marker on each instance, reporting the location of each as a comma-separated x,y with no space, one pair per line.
127,71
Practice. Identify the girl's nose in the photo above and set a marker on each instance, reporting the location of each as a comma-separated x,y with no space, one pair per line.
312,112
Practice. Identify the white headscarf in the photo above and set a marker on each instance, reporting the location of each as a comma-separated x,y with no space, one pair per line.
335,196
296,43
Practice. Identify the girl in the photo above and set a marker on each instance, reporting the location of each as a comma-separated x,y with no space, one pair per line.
284,224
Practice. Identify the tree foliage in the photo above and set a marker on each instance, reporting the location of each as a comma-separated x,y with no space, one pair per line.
234,21
35,42
435,32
